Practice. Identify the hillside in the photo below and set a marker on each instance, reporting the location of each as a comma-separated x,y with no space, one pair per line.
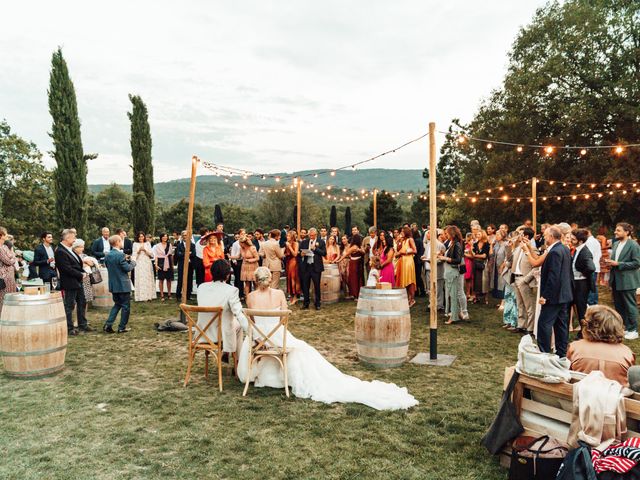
212,189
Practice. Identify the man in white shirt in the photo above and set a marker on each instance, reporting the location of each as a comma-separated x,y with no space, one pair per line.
440,250
199,265
369,244
236,261
100,247
596,251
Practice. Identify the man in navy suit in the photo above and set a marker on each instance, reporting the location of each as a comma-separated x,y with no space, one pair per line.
312,266
44,258
180,253
100,247
119,285
556,285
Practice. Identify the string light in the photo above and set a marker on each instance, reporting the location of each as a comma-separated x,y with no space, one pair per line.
519,149
489,146
548,150
619,149
583,152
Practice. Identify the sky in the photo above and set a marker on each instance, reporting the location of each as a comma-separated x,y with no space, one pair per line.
267,86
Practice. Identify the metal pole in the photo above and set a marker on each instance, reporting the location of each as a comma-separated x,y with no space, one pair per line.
299,209
433,229
187,253
534,203
375,207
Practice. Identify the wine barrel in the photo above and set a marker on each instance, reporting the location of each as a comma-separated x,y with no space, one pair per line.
33,334
101,296
383,327
330,283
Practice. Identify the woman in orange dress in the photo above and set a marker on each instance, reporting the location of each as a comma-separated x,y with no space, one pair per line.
405,268
291,250
212,251
333,251
250,259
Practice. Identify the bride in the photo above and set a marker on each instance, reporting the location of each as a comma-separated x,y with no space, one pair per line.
310,375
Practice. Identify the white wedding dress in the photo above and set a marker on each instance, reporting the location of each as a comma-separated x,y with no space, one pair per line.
311,376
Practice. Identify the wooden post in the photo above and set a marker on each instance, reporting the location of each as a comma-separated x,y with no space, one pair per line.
192,192
375,207
534,203
299,209
433,228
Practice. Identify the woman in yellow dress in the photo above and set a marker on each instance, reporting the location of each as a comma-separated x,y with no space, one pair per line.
405,268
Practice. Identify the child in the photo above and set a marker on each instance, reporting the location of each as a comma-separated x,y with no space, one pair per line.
374,272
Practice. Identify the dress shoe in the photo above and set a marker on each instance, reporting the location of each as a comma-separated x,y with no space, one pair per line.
107,329
124,330
317,307
305,307
72,333
87,328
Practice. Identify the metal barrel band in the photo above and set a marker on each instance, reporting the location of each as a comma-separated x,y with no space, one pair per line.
377,313
34,353
381,298
26,302
36,373
383,362
366,343
384,292
26,323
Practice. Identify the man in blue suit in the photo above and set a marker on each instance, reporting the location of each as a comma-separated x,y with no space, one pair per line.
44,258
556,285
118,265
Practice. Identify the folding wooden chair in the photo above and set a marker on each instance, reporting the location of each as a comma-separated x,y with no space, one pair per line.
262,345
199,340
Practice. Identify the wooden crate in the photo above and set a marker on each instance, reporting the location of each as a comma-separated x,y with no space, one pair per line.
539,418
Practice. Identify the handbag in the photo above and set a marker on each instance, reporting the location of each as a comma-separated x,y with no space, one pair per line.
536,458
506,426
577,465
3,284
95,276
548,367
462,268
479,264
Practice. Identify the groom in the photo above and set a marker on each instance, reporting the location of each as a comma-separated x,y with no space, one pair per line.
312,249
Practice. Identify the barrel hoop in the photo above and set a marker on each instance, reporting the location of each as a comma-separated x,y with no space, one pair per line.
377,313
383,298
382,344
26,323
382,291
383,362
34,352
36,373
25,302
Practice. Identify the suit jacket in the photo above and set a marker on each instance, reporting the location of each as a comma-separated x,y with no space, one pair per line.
181,250
70,268
626,275
118,269
221,294
367,251
525,264
556,276
97,249
127,246
319,252
272,254
584,264
41,260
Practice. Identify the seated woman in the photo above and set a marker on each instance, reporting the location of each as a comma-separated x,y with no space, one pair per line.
310,375
601,347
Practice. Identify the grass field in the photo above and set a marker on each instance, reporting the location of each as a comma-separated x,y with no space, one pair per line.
119,410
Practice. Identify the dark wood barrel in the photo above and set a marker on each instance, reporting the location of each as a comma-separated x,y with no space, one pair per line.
383,327
33,335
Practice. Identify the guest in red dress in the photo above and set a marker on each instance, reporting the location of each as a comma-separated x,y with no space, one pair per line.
291,250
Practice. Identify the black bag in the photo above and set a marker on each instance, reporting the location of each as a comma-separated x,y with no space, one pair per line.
95,276
462,268
3,284
577,465
479,264
530,462
506,426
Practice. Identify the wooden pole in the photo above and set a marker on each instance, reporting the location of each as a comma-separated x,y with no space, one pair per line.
433,228
187,253
375,207
534,203
299,209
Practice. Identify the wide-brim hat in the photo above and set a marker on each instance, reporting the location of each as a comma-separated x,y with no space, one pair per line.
204,239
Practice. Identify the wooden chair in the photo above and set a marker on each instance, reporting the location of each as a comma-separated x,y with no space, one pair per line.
199,340
264,346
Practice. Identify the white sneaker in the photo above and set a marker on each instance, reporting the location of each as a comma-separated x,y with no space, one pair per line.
631,336
465,316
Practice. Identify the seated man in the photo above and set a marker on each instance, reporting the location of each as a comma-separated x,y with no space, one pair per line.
218,293
601,347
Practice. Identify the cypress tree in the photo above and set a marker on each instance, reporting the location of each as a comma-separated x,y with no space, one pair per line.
143,205
70,175
333,217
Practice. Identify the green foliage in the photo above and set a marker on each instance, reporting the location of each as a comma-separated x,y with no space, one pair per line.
419,211
174,218
109,208
389,212
237,217
70,176
143,205
25,189
572,80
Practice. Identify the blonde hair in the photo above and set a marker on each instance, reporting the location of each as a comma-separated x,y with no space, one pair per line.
374,262
263,277
603,324
3,232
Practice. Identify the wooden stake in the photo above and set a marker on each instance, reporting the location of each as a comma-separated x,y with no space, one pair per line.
375,207
299,209
187,253
433,228
534,203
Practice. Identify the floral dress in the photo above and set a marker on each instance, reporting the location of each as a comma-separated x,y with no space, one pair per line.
7,271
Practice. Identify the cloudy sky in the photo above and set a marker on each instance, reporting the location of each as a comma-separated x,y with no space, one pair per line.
262,85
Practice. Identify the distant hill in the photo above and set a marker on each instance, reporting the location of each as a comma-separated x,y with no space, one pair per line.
211,189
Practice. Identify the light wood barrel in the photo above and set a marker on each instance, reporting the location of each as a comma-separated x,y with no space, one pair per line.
383,327
102,297
330,283
33,335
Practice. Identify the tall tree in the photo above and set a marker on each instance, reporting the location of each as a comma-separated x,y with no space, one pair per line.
143,205
109,208
217,215
333,217
389,212
70,175
347,221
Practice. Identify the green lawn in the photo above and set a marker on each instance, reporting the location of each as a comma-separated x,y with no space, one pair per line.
149,426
